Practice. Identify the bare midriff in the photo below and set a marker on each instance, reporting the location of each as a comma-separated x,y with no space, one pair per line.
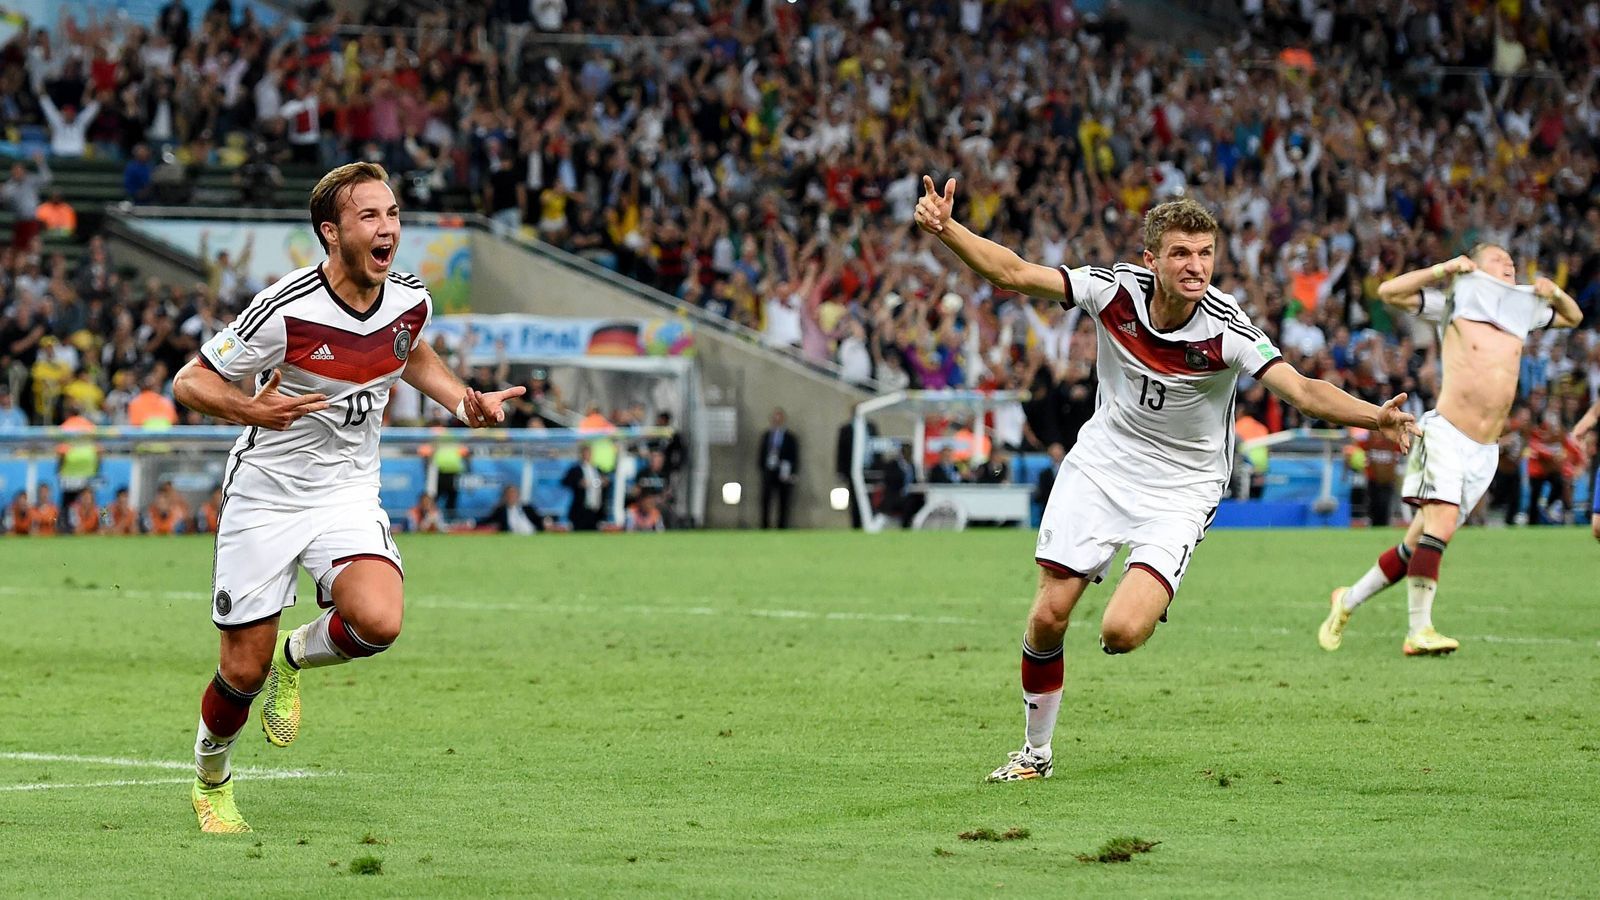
1481,365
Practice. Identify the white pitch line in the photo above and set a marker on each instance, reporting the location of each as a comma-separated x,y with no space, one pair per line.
898,618
130,763
140,782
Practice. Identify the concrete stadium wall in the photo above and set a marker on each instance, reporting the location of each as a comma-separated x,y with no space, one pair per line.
507,278
151,257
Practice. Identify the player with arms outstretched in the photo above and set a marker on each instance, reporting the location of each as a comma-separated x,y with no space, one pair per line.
1152,463
1484,319
320,351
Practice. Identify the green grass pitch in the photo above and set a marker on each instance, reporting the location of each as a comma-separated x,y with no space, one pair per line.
751,715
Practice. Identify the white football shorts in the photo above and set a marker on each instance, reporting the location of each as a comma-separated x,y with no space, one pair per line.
1446,465
1086,521
260,545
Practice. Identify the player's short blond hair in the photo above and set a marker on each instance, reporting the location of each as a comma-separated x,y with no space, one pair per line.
1478,249
334,187
1182,215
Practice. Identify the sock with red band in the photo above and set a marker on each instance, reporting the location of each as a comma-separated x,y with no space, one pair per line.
1391,567
327,641
223,712
1042,674
1422,581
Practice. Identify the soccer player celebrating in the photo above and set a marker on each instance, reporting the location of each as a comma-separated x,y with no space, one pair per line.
1151,464
1483,324
317,353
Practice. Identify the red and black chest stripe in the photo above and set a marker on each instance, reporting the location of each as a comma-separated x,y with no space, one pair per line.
1168,357
341,355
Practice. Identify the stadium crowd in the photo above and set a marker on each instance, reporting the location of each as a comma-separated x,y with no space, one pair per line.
762,161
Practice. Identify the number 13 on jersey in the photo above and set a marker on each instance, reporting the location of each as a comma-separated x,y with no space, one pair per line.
1152,393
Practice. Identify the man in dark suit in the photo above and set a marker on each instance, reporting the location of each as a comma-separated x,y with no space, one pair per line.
898,477
780,465
945,471
512,514
588,487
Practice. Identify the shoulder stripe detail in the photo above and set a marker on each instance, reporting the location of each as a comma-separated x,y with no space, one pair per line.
255,308
1101,273
1234,320
1247,335
407,280
282,304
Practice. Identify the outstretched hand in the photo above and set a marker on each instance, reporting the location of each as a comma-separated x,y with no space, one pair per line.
270,409
484,409
934,209
1396,424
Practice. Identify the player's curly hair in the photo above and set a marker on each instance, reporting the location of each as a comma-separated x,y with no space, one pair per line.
334,187
1183,215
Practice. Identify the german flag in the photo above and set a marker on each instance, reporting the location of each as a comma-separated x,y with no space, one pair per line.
615,339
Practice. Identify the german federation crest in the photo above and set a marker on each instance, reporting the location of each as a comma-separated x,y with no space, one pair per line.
1194,359
224,603
402,344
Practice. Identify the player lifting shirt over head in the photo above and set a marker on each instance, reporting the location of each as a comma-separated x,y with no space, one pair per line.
308,367
1152,463
1484,318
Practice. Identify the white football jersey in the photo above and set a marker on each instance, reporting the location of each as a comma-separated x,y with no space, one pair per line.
319,344
1512,308
1163,417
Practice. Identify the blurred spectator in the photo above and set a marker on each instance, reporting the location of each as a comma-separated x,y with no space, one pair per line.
209,513
19,515
56,216
899,477
77,461
21,195
645,513
258,178
994,470
121,517
654,478
167,513
11,418
69,125
42,519
945,470
83,514
512,515
150,409
171,183
588,487
1247,427
225,276
425,516
448,457
136,175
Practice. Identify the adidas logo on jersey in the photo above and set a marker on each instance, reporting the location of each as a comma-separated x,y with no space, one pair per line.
323,352
1129,328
